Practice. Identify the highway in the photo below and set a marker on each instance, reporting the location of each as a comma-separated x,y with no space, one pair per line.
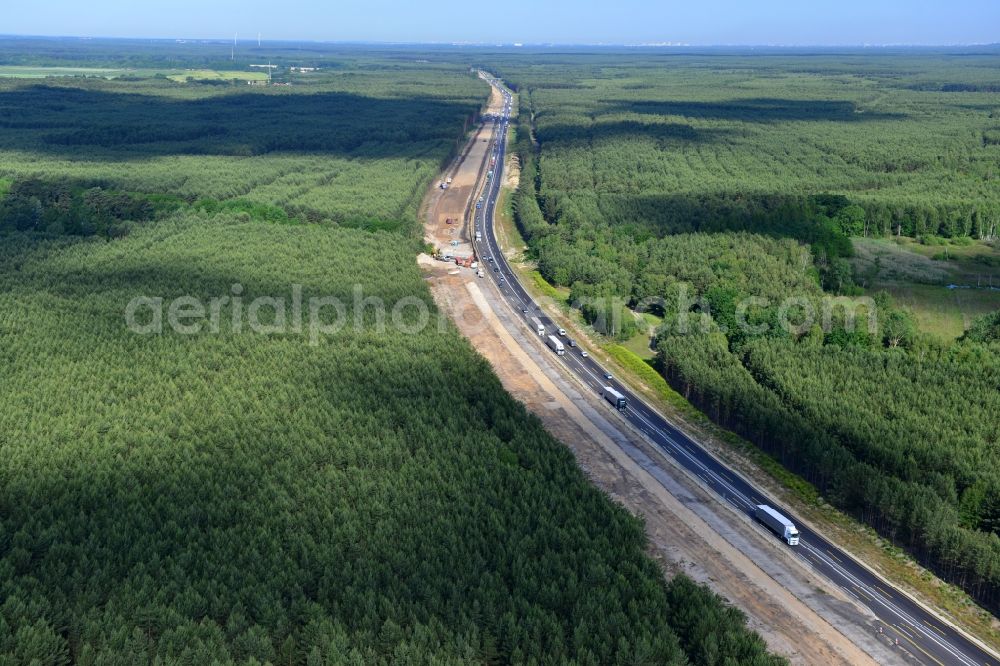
919,632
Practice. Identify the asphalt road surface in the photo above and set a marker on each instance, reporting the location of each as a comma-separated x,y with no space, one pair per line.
919,632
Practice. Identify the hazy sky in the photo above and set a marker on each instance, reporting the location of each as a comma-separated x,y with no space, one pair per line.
806,22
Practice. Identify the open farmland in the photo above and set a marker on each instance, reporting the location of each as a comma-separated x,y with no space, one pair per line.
215,75
20,72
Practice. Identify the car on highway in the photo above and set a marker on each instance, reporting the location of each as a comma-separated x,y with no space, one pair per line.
607,375
562,332
584,353
572,343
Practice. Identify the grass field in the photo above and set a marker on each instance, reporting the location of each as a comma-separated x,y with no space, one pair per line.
918,277
180,76
24,72
942,312
215,75
639,344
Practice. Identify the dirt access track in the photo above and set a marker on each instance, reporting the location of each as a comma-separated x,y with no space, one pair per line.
453,203
796,612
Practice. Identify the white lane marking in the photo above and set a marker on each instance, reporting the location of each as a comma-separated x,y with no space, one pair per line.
888,605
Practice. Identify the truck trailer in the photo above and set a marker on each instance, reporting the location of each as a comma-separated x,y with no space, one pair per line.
556,345
777,523
539,326
616,399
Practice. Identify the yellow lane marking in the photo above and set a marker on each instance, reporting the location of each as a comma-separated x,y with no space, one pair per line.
929,655
934,627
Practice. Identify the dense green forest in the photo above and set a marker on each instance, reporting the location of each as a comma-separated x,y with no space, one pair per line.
353,149
686,185
242,497
680,142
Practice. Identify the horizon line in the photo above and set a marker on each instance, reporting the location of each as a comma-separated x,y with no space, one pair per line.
666,44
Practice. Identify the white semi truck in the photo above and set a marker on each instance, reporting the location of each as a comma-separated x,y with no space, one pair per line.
539,326
556,345
616,399
777,523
